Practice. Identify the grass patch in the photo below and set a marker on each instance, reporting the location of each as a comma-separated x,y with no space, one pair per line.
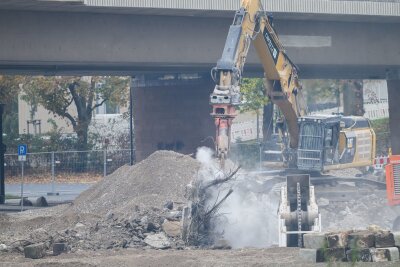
9,196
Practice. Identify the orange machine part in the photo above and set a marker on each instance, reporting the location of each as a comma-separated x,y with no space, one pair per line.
393,180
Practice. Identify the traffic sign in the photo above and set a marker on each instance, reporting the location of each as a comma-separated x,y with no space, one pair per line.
22,150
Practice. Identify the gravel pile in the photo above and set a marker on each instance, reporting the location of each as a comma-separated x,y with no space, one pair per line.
359,213
161,177
136,206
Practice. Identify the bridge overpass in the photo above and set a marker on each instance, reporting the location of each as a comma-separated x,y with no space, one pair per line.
327,39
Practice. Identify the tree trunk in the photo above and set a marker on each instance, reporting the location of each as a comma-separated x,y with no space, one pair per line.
82,133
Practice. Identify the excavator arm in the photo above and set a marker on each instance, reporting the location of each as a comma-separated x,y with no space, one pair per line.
252,25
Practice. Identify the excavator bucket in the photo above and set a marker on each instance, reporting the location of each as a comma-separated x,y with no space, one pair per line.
393,180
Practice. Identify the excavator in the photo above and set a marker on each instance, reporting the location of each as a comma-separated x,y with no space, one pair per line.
311,143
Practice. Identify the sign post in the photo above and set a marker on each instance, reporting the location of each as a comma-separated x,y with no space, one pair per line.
22,150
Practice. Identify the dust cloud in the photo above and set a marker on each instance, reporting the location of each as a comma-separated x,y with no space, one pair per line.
248,217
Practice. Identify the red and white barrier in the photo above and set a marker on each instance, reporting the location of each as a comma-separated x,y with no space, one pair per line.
380,162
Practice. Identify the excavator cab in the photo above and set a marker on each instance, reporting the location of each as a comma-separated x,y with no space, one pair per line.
318,142
329,142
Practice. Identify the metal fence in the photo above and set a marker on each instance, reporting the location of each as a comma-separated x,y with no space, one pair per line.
49,165
59,175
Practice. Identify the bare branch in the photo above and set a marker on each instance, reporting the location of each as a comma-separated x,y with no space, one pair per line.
99,104
222,180
73,121
215,208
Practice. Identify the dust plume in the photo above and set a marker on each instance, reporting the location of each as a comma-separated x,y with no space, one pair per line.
248,217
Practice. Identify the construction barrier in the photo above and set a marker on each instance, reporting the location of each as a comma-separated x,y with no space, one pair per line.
380,162
393,180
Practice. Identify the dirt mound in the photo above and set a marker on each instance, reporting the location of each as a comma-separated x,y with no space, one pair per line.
161,177
126,209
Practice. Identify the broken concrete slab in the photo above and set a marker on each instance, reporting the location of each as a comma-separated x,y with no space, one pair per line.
308,255
3,247
59,248
333,254
396,236
381,254
337,240
361,239
355,255
384,239
385,254
41,202
172,228
314,240
159,241
35,251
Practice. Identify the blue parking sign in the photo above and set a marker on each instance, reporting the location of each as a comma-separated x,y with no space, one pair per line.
22,150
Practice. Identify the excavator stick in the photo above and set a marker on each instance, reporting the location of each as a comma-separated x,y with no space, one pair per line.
298,211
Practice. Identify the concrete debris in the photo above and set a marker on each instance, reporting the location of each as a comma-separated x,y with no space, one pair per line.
35,251
323,202
169,205
314,240
41,202
59,248
308,255
124,210
3,247
396,236
159,241
337,240
361,239
353,246
359,255
332,254
172,228
384,239
385,254
359,212
27,202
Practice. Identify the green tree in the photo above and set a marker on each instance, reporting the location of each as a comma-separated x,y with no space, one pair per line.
321,91
9,89
254,97
60,94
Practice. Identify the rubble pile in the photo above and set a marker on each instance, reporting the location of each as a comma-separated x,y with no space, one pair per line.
369,245
136,206
358,213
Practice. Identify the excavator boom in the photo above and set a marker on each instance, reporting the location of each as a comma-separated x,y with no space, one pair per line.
252,25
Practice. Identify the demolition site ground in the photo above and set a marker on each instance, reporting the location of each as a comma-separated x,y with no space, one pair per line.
134,217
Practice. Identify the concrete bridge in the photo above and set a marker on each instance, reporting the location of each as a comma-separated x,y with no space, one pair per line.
327,39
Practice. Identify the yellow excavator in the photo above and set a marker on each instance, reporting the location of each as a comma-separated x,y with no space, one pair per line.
310,143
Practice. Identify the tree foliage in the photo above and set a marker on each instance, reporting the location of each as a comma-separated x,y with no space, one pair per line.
64,95
321,91
254,96
9,89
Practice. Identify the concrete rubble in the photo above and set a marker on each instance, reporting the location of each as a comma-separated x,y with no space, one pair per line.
370,245
135,207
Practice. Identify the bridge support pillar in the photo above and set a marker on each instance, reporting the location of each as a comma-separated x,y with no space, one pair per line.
2,151
393,84
172,112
